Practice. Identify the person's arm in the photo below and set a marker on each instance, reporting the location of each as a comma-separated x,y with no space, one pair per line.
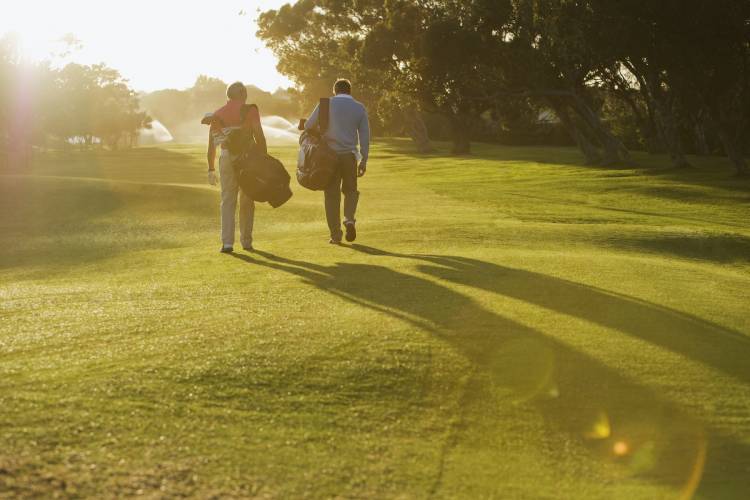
364,142
313,120
211,153
211,157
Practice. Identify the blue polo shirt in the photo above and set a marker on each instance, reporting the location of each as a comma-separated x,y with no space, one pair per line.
347,125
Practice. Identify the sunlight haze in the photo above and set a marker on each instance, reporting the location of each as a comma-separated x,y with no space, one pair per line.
154,44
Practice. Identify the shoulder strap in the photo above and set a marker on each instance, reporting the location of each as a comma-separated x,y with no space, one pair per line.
244,110
324,113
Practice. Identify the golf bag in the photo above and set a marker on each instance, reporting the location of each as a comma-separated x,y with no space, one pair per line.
261,177
317,160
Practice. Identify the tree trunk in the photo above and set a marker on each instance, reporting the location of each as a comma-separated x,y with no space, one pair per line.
654,137
660,110
584,144
733,149
700,138
644,123
417,130
666,120
614,150
460,136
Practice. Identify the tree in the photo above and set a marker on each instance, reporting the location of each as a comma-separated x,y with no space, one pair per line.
719,37
91,104
441,57
457,59
679,68
317,41
689,60
548,58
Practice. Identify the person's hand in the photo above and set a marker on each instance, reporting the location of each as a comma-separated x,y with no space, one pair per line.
212,178
362,168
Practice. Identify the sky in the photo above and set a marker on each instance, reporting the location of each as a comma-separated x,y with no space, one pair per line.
155,44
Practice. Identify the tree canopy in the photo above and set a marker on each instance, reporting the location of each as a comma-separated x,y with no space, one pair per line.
42,106
669,76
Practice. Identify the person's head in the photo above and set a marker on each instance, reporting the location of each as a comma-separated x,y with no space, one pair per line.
237,91
342,86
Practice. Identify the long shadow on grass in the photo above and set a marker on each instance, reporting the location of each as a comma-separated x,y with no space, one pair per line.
721,348
632,431
723,248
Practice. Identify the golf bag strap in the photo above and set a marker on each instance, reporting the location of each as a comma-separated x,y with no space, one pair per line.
244,110
324,110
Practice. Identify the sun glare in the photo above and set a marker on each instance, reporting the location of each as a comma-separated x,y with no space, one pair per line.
139,39
36,46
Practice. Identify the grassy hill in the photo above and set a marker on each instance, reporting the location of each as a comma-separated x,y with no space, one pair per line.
509,325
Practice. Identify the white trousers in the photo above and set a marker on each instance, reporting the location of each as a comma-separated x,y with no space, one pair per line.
229,191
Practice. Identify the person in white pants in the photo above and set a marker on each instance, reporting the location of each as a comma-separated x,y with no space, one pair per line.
229,191
223,121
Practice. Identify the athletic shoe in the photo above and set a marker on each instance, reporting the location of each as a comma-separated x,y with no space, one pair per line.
334,242
248,248
351,231
227,249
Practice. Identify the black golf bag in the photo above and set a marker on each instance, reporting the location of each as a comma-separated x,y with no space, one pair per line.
314,171
261,177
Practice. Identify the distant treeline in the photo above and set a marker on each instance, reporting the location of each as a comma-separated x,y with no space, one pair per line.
81,106
76,106
663,76
180,110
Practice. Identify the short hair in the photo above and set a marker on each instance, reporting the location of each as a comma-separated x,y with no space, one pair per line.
237,90
342,86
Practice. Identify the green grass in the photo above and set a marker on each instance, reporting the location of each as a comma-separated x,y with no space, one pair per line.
509,325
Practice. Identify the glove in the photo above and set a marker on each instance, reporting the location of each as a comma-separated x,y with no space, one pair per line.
212,179
362,168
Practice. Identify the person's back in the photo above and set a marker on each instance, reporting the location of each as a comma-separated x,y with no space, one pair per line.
233,115
347,126
230,113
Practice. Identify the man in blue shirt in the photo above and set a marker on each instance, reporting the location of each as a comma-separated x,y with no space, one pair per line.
347,127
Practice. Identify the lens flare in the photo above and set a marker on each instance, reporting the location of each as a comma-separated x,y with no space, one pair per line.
696,474
653,443
601,428
621,448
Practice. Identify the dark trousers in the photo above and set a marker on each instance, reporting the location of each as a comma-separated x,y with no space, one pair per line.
344,180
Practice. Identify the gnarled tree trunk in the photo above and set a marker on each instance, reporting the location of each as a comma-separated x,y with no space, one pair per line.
701,141
668,123
661,110
460,135
614,150
584,144
733,149
417,130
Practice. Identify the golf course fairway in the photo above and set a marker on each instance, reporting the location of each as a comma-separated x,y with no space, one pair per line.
512,324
